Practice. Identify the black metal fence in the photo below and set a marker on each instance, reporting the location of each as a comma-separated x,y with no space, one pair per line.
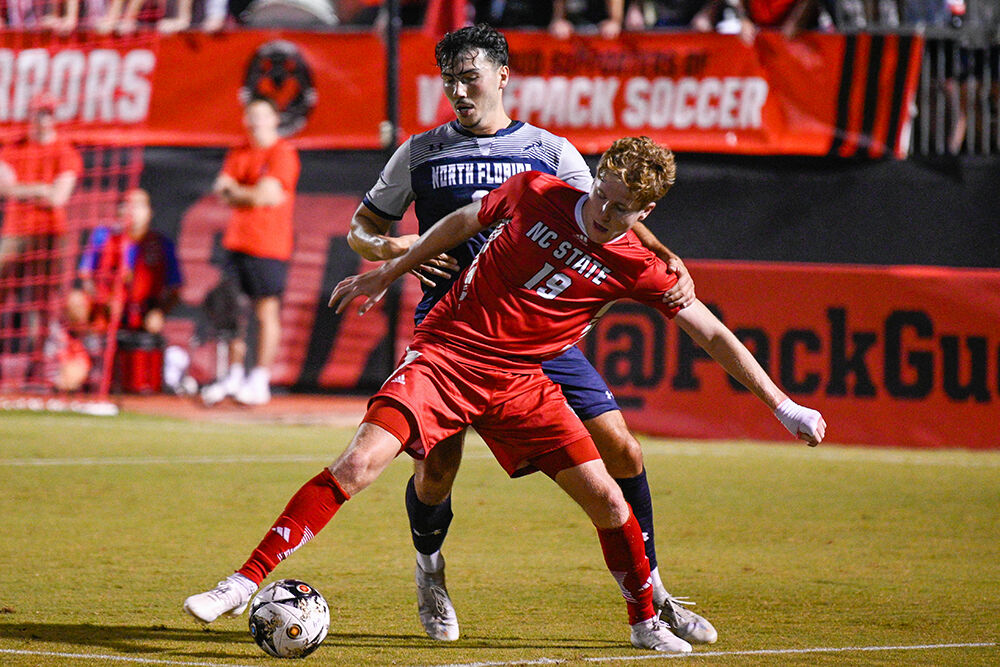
958,100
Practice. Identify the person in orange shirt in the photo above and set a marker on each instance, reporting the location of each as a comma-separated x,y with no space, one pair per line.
37,175
257,181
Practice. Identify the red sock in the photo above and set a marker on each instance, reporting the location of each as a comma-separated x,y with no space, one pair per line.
626,558
309,510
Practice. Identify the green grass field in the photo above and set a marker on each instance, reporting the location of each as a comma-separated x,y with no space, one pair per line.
799,556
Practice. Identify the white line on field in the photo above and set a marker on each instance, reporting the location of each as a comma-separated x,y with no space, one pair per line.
117,658
717,654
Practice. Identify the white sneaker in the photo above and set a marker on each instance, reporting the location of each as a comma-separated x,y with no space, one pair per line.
229,598
221,390
655,635
683,622
436,611
253,393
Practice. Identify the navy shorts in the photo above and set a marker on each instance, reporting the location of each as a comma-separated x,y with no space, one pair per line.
581,384
258,277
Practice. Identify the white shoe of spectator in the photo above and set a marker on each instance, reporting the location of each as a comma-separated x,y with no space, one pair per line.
257,389
224,388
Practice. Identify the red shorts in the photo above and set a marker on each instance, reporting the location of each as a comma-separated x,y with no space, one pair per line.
520,416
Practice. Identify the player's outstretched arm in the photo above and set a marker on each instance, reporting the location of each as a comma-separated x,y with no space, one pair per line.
716,339
681,295
450,230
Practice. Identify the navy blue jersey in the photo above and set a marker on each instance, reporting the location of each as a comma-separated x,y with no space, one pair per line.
445,168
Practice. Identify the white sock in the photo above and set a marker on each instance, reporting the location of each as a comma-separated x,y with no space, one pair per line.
243,581
236,375
659,592
431,562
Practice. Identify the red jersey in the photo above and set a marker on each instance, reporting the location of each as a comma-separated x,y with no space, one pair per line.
263,231
540,283
38,163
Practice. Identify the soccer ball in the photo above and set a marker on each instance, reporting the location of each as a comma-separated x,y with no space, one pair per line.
289,619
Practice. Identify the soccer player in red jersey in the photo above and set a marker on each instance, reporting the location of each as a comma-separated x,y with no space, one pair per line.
556,260
440,171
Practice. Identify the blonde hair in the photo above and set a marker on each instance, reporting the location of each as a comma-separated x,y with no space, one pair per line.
646,168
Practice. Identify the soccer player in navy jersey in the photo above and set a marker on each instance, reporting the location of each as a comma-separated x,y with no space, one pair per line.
555,260
440,171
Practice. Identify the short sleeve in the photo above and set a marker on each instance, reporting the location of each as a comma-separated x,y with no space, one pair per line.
652,284
392,194
573,168
70,160
284,165
230,164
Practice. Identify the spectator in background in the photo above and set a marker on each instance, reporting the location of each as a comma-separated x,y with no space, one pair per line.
560,17
214,15
143,257
749,16
65,21
258,182
644,14
568,15
123,17
37,176
129,263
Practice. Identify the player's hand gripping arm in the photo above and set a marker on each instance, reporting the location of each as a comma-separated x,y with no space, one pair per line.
712,335
369,238
681,295
454,228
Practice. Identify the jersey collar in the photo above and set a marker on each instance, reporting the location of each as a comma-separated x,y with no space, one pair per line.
514,126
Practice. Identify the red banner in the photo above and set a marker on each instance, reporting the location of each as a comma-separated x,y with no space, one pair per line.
904,356
816,95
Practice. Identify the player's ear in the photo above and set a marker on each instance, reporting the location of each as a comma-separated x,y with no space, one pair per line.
646,210
504,74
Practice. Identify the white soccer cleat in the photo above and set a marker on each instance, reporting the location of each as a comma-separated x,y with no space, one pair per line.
685,623
229,598
655,635
437,614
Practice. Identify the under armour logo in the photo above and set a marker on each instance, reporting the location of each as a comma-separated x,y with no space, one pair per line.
610,396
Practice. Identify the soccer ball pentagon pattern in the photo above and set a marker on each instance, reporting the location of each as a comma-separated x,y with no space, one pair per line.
289,619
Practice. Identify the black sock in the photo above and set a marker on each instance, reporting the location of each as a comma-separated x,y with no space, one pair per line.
428,523
636,492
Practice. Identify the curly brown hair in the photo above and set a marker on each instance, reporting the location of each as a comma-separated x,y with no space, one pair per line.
646,168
